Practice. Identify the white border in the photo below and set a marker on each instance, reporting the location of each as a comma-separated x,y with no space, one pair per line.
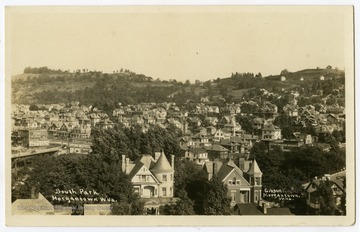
162,2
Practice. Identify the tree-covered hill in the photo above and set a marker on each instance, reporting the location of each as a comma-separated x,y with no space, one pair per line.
45,86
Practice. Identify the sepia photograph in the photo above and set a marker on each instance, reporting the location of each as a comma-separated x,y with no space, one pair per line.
179,115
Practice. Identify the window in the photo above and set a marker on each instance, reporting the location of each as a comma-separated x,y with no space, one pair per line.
164,178
171,177
230,182
233,196
143,178
257,181
238,182
234,181
171,191
164,192
251,180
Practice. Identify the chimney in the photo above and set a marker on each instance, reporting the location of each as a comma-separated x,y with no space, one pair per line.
172,161
265,207
123,164
157,155
214,168
241,164
127,161
33,194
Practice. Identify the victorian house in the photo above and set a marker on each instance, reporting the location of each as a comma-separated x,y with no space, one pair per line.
152,179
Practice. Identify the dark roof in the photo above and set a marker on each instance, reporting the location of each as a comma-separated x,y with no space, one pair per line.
216,147
135,169
248,209
255,209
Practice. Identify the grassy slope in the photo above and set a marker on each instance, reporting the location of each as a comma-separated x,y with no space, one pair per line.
293,80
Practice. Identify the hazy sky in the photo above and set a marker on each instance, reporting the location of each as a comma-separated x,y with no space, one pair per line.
176,43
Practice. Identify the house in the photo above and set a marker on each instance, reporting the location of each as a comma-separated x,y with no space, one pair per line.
211,121
105,124
65,129
213,109
36,205
84,120
270,132
321,78
210,130
232,146
200,140
197,155
53,129
117,112
186,141
34,137
194,122
219,135
282,78
233,128
94,118
79,147
152,178
80,132
216,151
51,117
260,209
226,120
336,182
234,109
286,144
244,185
291,110
257,123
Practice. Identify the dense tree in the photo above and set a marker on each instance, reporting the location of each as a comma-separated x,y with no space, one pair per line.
184,206
326,198
245,123
217,200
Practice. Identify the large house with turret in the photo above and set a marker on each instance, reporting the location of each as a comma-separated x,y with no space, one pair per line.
244,181
152,179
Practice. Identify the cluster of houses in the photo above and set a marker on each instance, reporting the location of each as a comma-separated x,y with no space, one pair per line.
209,130
56,124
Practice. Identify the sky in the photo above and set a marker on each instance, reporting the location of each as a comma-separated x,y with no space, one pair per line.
179,43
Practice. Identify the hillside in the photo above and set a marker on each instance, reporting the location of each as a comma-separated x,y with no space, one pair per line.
126,87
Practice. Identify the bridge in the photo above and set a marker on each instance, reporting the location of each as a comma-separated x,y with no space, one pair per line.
22,157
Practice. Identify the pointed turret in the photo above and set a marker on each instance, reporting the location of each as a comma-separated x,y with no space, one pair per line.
254,169
165,174
162,165
255,180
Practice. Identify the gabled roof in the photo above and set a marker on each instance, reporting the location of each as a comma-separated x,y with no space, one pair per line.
147,160
228,167
248,209
135,169
26,206
216,147
162,165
